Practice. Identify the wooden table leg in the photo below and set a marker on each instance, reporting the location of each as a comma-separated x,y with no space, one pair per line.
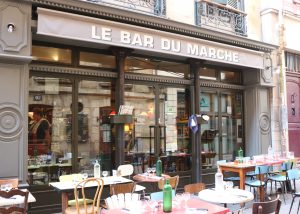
64,201
242,176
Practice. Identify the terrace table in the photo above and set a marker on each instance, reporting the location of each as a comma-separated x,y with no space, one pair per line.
228,196
194,205
243,168
66,187
16,200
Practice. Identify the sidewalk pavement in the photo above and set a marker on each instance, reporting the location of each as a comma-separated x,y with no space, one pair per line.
285,207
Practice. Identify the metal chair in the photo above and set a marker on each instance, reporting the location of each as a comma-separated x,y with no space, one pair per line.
267,207
293,175
281,177
194,188
14,209
261,171
84,207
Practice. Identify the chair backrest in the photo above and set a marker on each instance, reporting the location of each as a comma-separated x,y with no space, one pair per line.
173,182
262,169
116,189
121,200
293,174
287,165
266,207
194,188
14,208
80,187
126,169
158,196
71,177
13,181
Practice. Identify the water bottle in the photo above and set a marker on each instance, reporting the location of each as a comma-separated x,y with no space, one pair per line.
240,155
270,152
219,185
167,197
97,170
158,167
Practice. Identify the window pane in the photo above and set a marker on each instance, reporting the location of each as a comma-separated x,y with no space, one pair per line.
49,139
208,73
50,54
231,77
156,67
96,60
95,139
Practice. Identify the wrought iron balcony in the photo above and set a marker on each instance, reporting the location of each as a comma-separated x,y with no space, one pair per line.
220,17
154,7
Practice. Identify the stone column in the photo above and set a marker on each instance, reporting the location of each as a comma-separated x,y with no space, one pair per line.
15,42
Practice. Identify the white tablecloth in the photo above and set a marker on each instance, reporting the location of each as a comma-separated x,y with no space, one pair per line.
16,200
107,181
229,196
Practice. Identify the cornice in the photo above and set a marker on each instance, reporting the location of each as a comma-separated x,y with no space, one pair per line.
220,85
157,79
151,21
75,71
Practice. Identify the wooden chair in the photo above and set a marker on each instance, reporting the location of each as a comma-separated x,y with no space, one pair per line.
267,207
15,209
69,178
194,188
116,189
173,182
86,208
127,170
13,181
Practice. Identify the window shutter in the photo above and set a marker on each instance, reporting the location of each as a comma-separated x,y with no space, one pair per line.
232,3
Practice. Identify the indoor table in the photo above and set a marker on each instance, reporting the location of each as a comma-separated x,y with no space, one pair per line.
66,187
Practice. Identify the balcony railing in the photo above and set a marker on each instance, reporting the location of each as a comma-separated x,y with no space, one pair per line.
220,17
154,7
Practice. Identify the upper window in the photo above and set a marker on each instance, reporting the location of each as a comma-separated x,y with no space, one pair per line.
230,77
292,62
96,60
51,54
156,67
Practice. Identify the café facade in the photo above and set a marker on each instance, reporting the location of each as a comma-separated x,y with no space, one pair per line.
136,80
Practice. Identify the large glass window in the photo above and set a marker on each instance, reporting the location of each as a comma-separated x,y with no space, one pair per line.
49,142
222,136
51,54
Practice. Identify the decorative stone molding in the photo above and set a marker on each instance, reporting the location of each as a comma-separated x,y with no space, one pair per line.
13,27
159,79
221,85
267,73
77,71
10,122
264,123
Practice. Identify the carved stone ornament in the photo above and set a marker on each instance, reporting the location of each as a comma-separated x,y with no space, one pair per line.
264,123
10,122
13,25
266,73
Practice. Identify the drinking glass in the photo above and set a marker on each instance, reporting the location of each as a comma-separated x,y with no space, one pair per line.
149,170
105,173
6,187
186,196
84,175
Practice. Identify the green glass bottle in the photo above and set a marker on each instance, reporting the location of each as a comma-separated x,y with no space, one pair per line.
158,167
167,197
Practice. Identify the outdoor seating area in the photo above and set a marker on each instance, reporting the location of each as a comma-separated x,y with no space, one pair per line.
256,195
